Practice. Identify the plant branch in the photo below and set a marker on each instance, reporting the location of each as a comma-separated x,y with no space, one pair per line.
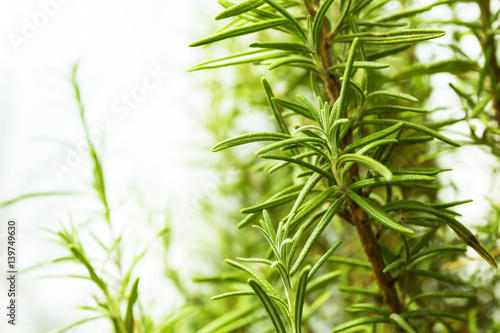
356,216
332,83
369,242
489,48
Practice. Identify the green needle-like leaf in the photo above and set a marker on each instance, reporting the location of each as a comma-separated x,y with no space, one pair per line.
306,190
368,161
300,297
370,308
240,31
359,322
360,64
313,204
378,214
268,306
274,107
394,265
402,323
312,110
301,163
453,66
284,46
434,275
373,137
393,94
381,109
318,23
289,17
300,62
327,218
271,203
395,180
292,142
350,262
323,259
346,79
257,277
294,107
414,126
444,294
431,312
465,234
323,280
254,56
387,52
239,9
269,225
411,12
250,138
393,37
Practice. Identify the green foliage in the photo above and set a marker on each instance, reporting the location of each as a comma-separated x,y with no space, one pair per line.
345,156
346,184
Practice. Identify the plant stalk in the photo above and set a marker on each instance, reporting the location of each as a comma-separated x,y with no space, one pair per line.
489,48
356,215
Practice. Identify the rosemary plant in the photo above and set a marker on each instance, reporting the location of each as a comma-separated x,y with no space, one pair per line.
342,139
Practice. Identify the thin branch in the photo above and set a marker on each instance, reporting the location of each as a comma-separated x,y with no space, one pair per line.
489,48
356,215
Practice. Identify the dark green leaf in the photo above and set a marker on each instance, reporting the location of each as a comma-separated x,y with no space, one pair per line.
359,322
431,312
394,265
434,275
402,323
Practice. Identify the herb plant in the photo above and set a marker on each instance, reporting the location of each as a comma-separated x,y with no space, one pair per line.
345,139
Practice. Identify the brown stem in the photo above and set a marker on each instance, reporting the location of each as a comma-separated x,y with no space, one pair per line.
489,47
355,215
369,242
332,83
